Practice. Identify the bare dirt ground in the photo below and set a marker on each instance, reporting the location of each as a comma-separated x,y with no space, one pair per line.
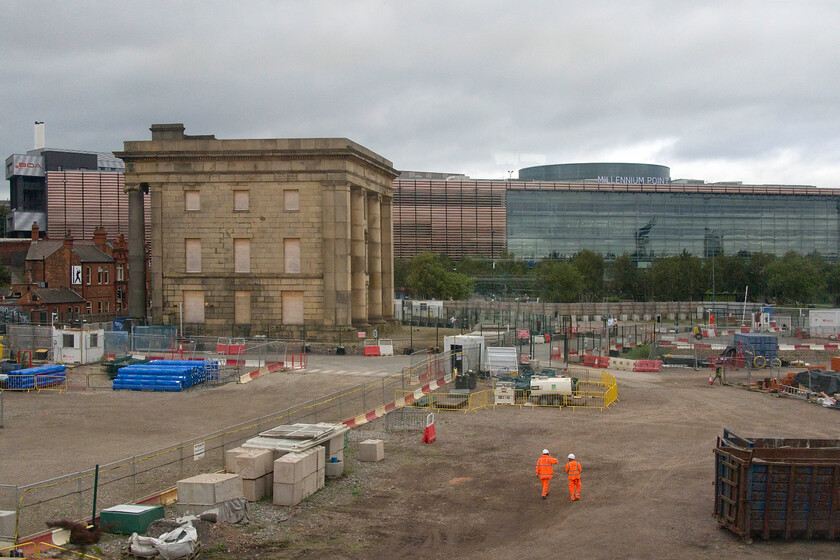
647,471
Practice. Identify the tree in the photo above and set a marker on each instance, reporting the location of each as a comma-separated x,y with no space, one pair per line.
794,278
757,274
558,281
430,276
590,265
624,277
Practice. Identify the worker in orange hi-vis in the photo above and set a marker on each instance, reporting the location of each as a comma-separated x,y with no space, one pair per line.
573,470
545,470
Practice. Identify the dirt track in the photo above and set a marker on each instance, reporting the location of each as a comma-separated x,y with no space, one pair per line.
647,471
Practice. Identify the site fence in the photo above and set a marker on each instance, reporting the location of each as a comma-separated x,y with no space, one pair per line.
137,478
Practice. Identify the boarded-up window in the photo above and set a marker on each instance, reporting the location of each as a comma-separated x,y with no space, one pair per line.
193,306
291,255
242,255
193,252
291,200
292,308
242,308
241,201
192,201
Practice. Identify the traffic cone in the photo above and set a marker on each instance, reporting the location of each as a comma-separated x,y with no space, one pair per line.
711,379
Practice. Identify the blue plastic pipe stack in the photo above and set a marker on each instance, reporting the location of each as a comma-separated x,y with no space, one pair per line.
37,377
161,375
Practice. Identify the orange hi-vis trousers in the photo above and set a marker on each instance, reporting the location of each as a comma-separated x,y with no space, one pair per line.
574,487
544,479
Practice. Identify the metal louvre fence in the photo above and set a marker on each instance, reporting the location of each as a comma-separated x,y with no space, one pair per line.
132,479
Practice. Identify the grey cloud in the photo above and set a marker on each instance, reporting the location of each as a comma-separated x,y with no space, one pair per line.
441,85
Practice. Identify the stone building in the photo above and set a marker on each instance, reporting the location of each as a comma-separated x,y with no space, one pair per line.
263,236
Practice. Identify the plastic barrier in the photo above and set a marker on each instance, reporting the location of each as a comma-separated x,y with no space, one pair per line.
647,365
386,347
588,360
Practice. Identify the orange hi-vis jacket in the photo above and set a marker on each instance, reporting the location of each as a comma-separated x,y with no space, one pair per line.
573,469
544,466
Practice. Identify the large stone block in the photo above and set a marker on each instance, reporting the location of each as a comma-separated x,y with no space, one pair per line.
230,458
254,463
287,494
255,490
371,450
310,484
7,524
210,489
288,469
334,445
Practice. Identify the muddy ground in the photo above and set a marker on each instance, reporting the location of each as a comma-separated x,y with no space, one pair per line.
647,471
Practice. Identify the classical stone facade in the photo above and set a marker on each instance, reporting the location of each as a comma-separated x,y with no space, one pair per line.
266,235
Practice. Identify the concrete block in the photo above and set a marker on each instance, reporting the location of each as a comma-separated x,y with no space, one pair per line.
371,450
310,484
321,477
287,494
335,470
255,489
310,461
289,469
210,489
230,458
253,463
7,524
321,454
334,445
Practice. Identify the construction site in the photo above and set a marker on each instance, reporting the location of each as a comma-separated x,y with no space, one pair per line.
381,454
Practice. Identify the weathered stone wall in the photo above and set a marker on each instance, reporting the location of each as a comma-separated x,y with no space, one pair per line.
323,171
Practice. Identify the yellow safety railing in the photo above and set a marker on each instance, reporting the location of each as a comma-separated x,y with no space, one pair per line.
44,382
587,394
39,548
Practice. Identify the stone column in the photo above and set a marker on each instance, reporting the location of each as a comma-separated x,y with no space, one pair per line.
358,257
374,259
136,252
387,228
337,278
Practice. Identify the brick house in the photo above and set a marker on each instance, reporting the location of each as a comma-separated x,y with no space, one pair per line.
72,278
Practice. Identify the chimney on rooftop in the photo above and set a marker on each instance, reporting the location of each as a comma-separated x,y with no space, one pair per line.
40,135
100,238
68,240
35,235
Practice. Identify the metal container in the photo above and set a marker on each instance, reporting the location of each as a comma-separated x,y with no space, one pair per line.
778,488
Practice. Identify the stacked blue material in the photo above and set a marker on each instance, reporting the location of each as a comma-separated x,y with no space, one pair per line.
37,377
766,345
164,375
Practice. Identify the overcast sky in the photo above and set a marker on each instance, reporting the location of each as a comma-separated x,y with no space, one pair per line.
720,90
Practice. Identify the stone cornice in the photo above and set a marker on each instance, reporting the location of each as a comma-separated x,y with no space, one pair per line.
177,156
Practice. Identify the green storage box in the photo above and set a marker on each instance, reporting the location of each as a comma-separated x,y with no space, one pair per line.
128,518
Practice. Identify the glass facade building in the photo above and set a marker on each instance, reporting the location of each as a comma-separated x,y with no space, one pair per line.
648,222
532,220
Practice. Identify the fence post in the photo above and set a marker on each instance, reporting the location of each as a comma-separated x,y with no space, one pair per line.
134,478
181,461
81,506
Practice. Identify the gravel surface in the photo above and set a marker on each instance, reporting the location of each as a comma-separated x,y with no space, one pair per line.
647,477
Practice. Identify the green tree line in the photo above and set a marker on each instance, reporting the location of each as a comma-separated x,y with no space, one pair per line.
792,279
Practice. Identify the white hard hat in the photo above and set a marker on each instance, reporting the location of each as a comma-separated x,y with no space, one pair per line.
571,455
545,451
